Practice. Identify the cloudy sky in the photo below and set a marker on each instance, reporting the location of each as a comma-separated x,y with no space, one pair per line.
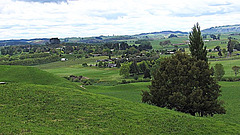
80,18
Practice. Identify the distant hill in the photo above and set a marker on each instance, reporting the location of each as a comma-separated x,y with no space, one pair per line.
227,29
98,39
37,41
163,33
223,29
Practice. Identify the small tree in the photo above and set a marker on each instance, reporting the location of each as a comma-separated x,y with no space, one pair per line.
84,64
134,68
236,69
230,47
224,52
118,64
219,71
184,84
124,70
100,64
147,73
142,66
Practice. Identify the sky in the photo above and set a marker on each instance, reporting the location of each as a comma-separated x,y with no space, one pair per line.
26,19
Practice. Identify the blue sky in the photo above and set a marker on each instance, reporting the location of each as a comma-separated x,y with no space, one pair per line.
80,18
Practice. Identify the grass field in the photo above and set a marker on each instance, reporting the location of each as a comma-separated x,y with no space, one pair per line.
43,102
227,64
231,96
104,74
31,75
41,109
70,63
131,92
155,43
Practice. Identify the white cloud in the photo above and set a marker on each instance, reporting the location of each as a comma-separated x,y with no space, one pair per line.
21,19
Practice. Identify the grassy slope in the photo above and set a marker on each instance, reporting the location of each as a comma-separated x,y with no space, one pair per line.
131,92
105,74
41,109
31,75
230,96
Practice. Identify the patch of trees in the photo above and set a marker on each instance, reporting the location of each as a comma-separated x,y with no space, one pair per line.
172,36
166,42
32,61
14,50
232,44
218,48
236,70
144,45
134,68
215,37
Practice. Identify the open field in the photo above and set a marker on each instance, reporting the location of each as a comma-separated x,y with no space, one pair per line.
31,75
70,63
43,102
230,95
104,74
39,109
227,64
131,92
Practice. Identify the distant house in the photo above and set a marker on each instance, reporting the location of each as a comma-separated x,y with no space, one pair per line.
64,59
95,55
178,44
111,65
104,60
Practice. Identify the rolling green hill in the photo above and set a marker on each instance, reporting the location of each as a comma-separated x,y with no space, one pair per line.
42,109
31,75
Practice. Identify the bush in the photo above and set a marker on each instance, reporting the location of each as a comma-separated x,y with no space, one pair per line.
124,81
84,64
135,77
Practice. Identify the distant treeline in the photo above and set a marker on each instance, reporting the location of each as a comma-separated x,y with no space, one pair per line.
30,61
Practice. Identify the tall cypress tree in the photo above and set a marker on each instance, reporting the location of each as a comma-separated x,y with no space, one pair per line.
230,47
196,45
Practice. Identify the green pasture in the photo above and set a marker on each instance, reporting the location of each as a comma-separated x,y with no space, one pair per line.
104,74
31,75
156,46
230,96
71,62
42,109
227,64
131,91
